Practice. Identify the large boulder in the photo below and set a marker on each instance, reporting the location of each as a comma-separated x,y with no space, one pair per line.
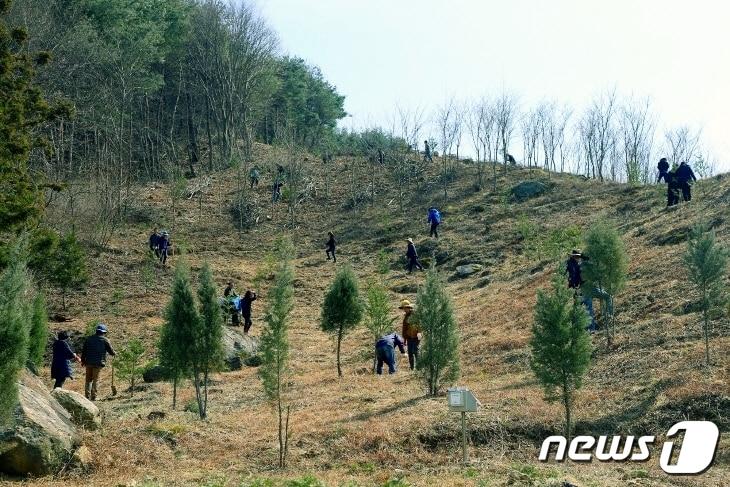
467,270
238,348
528,189
41,437
83,412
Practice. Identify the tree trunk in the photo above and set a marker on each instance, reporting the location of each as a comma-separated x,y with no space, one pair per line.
566,403
339,342
174,392
706,318
192,138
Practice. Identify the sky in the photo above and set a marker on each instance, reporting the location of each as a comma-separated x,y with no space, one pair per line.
420,53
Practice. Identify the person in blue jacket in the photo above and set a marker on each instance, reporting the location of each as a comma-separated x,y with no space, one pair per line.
685,177
385,351
164,246
61,362
434,218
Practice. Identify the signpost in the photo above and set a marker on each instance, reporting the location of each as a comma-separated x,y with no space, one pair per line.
460,399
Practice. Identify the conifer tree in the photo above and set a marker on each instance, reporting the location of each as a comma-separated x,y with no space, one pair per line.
342,308
207,348
14,316
377,310
605,270
70,269
706,263
181,321
128,362
274,345
439,355
38,335
561,346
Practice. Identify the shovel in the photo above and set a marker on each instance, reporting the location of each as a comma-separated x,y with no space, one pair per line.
114,389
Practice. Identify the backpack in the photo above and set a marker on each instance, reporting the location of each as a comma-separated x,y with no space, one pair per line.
434,215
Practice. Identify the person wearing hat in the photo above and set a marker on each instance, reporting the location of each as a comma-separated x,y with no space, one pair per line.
228,291
573,268
411,333
61,361
412,256
93,357
385,351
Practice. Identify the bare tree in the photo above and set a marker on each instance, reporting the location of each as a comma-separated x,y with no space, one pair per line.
530,124
506,110
446,120
596,135
636,139
683,145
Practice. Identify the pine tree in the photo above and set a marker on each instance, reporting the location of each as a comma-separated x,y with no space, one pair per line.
14,316
274,345
706,263
207,348
561,346
128,362
605,270
178,330
70,269
38,336
342,309
439,355
377,310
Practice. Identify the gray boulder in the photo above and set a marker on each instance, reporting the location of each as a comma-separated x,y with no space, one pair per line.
238,348
528,189
41,436
468,269
83,412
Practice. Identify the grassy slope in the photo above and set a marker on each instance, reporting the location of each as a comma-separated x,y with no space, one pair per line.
370,428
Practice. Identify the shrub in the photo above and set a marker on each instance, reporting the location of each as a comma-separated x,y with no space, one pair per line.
128,362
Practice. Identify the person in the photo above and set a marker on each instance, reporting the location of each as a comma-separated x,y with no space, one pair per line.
164,246
434,218
411,333
246,304
685,177
385,351
253,175
412,257
93,357
228,291
61,361
330,247
672,187
510,159
155,242
575,281
663,168
427,152
276,191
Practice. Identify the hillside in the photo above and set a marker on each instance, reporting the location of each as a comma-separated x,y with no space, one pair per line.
369,429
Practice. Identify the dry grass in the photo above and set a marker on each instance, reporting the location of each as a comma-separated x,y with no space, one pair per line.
371,429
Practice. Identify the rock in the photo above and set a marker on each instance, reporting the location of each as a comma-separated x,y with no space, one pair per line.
468,269
41,437
527,189
156,373
83,412
238,347
82,458
156,415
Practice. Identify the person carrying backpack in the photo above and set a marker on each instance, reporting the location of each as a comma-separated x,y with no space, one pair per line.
573,268
61,362
93,357
330,247
434,218
412,256
685,177
155,242
663,168
385,351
